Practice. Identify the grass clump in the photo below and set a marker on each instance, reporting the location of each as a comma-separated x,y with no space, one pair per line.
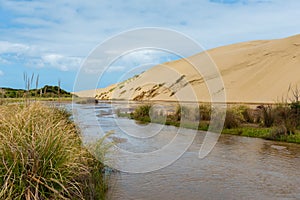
142,113
42,156
205,112
268,115
233,119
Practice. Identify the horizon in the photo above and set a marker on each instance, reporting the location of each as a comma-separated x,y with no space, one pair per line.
52,39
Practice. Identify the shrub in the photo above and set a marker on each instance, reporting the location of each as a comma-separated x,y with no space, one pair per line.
42,156
232,119
289,113
286,116
267,115
250,115
205,112
295,112
277,133
142,113
177,114
185,113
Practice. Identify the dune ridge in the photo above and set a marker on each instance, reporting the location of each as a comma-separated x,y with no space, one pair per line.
255,71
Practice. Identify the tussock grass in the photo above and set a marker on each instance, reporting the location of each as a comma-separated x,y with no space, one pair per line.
280,123
41,156
142,113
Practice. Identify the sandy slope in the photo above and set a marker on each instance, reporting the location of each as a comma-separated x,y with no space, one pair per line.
255,71
93,93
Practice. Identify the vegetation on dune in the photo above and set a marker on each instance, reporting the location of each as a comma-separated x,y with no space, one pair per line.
42,156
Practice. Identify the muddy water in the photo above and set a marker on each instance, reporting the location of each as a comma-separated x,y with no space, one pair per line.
237,168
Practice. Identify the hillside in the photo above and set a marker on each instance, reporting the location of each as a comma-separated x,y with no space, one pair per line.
46,91
255,71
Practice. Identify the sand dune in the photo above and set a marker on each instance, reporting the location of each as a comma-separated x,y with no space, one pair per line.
252,72
94,92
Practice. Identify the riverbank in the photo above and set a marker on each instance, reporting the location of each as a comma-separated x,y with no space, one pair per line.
44,99
277,122
42,156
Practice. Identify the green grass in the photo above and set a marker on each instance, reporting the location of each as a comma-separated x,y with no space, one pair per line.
235,124
46,92
264,133
42,157
127,115
290,138
32,99
257,132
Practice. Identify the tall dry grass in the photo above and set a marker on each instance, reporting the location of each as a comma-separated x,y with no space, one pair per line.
41,156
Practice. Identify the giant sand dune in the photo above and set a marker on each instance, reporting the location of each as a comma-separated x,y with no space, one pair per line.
252,72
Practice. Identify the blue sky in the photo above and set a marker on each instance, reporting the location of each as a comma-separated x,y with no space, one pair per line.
52,38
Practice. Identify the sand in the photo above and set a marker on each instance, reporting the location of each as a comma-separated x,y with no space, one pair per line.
252,72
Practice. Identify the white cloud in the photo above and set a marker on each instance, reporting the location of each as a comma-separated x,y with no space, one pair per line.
1,73
116,69
61,62
98,62
37,57
4,61
8,47
77,27
59,34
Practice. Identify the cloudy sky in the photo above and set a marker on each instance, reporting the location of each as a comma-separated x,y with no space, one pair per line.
53,38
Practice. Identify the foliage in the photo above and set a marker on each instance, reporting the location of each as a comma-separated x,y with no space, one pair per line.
232,119
259,132
279,122
250,115
284,117
142,113
45,92
42,156
205,112
268,116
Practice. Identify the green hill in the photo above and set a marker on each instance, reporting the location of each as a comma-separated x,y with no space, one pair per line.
46,91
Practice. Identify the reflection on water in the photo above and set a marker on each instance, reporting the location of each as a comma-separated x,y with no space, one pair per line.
237,168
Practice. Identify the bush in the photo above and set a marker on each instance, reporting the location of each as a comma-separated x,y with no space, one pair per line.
267,114
277,133
205,112
288,114
282,117
232,119
142,113
42,156
186,113
250,115
177,114
295,112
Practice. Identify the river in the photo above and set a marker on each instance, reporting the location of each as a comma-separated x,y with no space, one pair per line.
237,168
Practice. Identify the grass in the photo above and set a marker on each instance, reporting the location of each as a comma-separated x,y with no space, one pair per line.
18,100
264,133
289,138
45,92
42,156
240,120
258,132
